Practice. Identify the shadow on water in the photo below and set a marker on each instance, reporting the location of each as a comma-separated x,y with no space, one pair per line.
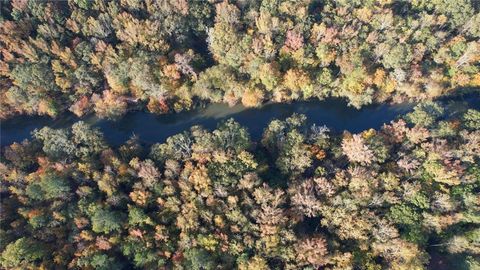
151,128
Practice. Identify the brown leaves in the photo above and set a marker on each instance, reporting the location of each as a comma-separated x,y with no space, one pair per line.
201,181
294,40
417,134
408,163
161,233
140,197
102,243
395,132
304,199
144,32
81,222
19,5
252,97
81,106
312,251
356,150
109,105
158,105
136,233
149,173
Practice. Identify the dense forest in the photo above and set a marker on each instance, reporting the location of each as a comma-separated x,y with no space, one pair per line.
106,57
302,197
403,196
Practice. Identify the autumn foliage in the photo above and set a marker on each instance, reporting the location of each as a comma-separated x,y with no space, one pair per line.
108,57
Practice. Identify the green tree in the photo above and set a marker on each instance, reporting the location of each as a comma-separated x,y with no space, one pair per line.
230,135
294,156
471,119
425,114
106,221
88,141
198,259
54,186
23,253
56,142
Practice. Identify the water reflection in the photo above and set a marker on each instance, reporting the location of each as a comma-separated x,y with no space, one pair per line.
156,128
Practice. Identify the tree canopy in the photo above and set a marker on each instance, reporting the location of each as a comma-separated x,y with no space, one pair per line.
107,57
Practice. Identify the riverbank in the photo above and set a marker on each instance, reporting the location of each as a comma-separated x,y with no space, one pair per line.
156,128
151,128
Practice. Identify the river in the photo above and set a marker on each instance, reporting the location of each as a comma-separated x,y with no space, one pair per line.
151,128
156,128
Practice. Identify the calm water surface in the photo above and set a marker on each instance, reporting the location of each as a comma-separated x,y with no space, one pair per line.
153,128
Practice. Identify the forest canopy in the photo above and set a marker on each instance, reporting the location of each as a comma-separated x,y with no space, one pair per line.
403,196
302,197
106,57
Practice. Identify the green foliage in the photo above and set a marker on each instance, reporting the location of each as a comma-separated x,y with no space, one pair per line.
54,186
230,135
100,261
421,201
23,253
106,221
472,263
445,130
404,214
198,259
61,144
472,119
294,156
136,216
468,242
399,56
56,142
230,172
425,114
286,141
143,257
88,141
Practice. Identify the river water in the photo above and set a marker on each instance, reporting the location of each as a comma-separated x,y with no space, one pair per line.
151,128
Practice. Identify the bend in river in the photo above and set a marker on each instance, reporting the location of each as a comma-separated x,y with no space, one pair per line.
152,128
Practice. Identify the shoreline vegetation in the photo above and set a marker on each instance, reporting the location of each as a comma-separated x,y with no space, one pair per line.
109,57
301,197
150,128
